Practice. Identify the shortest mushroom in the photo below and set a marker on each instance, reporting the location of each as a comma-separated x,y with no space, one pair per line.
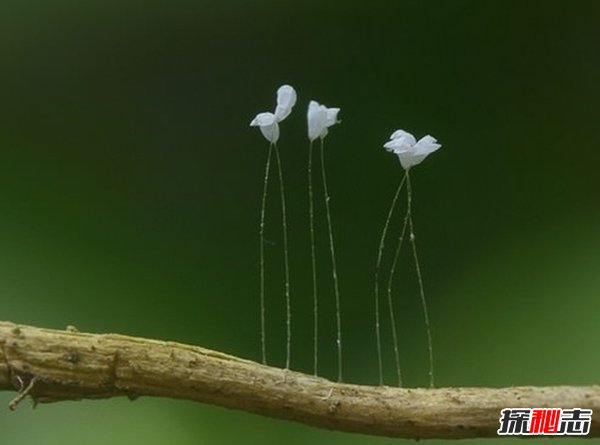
410,151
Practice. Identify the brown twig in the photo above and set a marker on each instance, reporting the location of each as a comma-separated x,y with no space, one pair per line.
70,365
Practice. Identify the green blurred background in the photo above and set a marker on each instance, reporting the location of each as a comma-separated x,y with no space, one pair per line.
130,185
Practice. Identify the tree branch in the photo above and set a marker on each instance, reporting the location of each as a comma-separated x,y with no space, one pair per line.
52,365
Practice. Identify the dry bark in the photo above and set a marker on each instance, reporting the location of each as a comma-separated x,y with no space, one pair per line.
53,365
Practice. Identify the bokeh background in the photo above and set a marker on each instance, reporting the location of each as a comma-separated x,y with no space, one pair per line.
130,184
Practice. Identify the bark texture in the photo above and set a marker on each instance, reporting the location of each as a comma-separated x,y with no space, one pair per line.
52,365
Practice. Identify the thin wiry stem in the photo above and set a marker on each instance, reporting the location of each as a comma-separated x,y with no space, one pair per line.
333,265
420,280
263,340
313,257
286,262
389,296
377,269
